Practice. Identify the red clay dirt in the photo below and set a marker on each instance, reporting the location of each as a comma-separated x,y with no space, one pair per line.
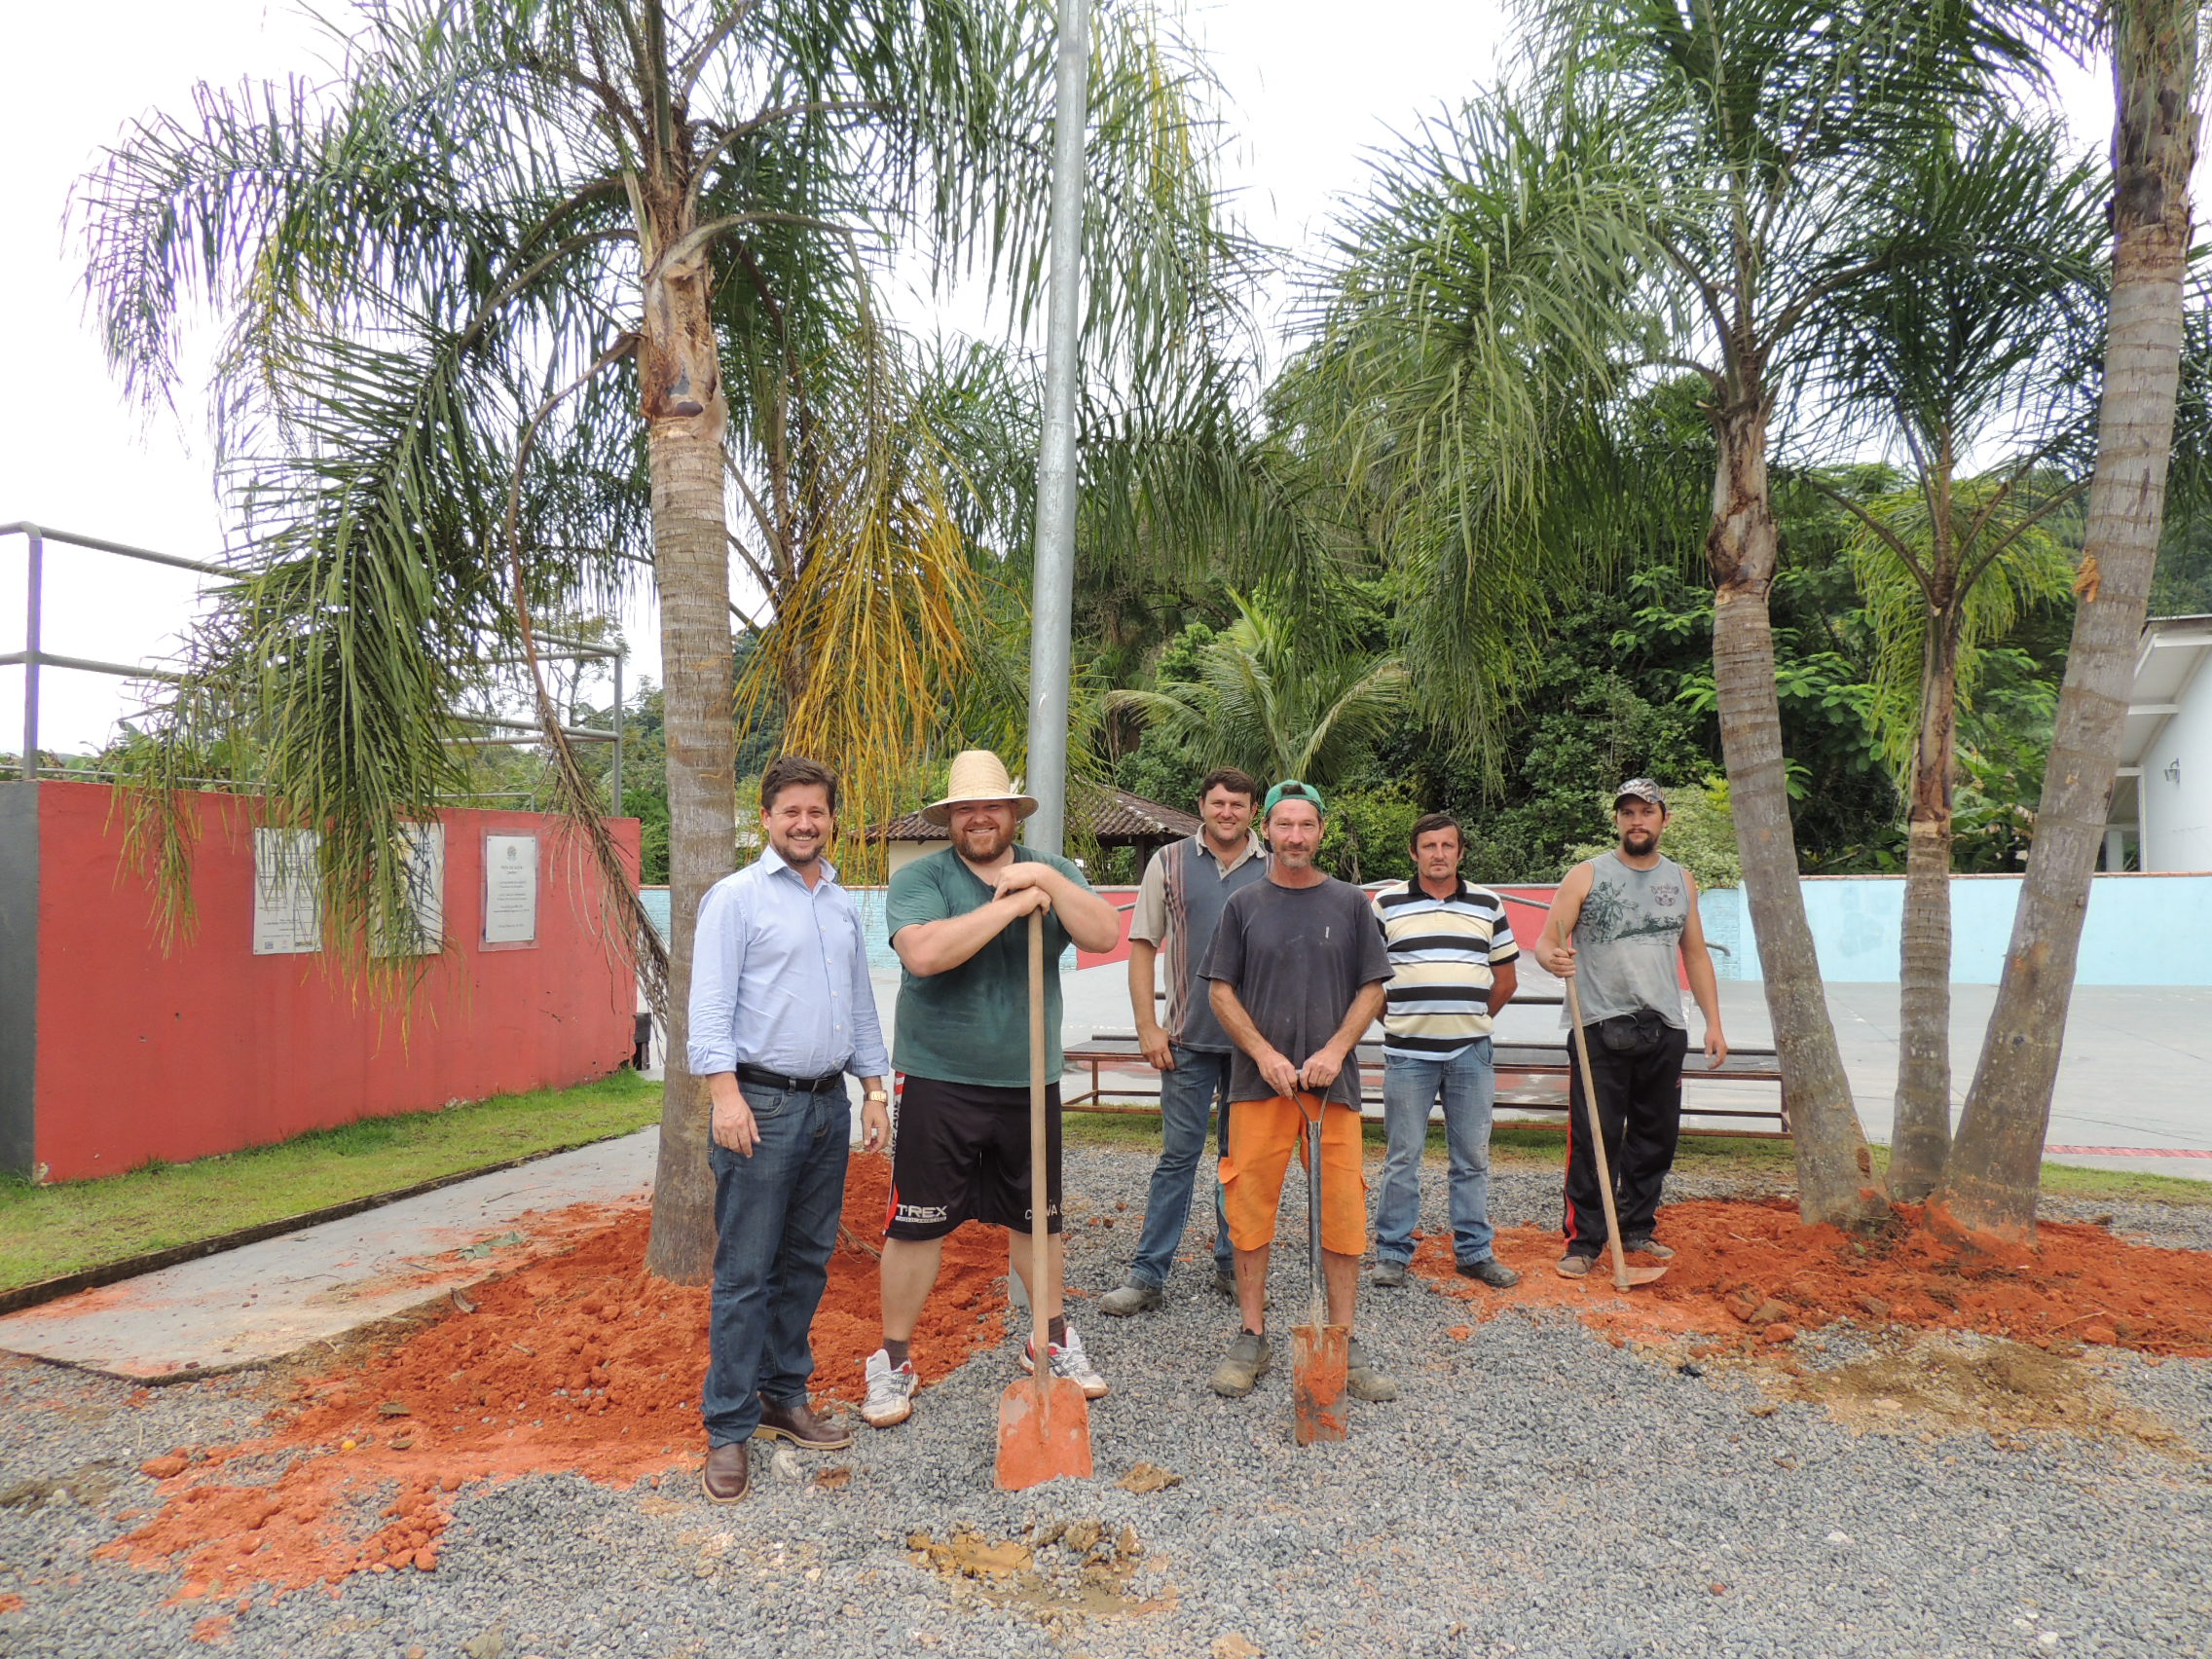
578,1363
1747,1268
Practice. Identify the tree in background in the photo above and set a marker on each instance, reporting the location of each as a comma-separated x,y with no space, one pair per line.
1984,307
1996,1164
516,305
1678,188
1276,700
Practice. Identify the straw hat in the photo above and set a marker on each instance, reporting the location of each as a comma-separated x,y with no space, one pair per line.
978,775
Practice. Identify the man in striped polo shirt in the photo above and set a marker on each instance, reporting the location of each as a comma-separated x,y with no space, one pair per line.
1452,954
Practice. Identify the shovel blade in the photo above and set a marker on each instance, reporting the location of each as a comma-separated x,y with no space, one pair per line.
1629,1276
1318,1357
1043,1437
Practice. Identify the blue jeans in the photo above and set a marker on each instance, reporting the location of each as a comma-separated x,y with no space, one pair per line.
1468,1086
1187,1096
776,1214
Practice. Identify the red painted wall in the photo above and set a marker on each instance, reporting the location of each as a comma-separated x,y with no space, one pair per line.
211,1048
1124,899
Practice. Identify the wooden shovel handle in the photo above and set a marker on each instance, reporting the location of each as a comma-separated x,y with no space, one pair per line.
1038,1186
1596,1134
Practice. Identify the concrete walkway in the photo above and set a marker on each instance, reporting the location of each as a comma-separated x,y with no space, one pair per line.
265,1301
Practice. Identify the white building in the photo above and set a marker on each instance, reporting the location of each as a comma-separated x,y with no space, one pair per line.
2161,807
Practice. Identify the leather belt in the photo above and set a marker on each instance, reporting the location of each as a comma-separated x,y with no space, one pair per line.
763,1077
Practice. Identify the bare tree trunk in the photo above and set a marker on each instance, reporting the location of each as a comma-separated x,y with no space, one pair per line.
685,414
1835,1182
1920,1140
1998,1161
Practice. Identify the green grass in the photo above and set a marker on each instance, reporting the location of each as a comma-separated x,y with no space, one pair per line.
2072,1181
73,1225
1515,1147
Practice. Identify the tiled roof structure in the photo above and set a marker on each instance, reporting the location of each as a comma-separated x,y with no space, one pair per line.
1110,817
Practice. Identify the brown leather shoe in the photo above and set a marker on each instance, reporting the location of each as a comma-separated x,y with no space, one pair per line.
797,1423
728,1474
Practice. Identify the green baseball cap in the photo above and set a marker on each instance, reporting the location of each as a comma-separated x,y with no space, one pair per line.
1290,789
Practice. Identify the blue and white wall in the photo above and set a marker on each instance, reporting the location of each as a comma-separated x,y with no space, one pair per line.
2141,929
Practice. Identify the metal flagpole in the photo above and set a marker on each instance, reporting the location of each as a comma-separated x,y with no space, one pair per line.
1053,593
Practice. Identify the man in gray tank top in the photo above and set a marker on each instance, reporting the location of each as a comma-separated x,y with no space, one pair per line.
1618,926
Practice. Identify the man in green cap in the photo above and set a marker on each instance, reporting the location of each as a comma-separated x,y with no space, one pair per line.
1296,967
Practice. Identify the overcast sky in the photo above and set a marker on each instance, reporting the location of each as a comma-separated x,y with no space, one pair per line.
1312,88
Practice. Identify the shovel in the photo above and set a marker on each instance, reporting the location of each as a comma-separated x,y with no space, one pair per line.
1625,1277
1043,1420
1319,1351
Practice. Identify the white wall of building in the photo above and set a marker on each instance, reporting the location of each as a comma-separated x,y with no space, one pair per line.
2175,789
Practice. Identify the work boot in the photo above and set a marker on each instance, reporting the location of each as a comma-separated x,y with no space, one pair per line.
1248,1360
728,1474
1648,1246
890,1392
1362,1382
1131,1298
1390,1275
795,1421
1574,1266
1490,1270
1070,1361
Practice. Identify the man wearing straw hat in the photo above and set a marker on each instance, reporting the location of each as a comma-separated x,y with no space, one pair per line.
962,1041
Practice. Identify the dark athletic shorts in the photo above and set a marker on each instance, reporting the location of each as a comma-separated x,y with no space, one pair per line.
960,1151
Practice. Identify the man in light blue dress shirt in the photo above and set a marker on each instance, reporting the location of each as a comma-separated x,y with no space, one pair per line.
781,1011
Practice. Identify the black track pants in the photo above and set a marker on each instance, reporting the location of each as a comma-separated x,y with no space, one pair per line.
1639,1102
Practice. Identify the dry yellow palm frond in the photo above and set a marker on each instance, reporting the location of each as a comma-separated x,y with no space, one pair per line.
875,635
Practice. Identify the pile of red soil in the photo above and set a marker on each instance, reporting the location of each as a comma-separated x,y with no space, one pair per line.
1751,1268
580,1362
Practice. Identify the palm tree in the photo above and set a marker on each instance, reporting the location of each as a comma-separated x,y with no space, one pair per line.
1996,1164
1275,701
1982,313
517,305
1682,186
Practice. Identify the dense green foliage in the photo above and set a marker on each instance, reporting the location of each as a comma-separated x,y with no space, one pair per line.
1621,685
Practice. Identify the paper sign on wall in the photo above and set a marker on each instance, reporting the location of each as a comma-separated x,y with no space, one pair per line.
510,889
287,898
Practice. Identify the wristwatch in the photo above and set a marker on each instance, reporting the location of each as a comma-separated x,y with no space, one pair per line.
877,1094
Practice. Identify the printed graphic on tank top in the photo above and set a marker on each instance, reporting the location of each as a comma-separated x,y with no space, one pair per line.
1628,938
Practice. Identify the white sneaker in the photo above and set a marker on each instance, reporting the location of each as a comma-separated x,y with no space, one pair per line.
1069,1361
890,1392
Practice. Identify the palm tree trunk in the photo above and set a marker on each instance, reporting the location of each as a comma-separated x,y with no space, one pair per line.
1835,1182
685,414
1998,1161
1920,1140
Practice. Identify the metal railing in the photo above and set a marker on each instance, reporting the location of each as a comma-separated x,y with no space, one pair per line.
34,656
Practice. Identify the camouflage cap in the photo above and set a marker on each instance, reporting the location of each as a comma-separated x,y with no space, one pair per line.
1641,788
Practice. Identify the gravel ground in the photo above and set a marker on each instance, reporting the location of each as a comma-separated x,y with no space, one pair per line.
1537,1492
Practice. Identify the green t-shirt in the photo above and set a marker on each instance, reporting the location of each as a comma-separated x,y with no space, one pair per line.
971,1023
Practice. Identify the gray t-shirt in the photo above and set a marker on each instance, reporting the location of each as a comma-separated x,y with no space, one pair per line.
1297,957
